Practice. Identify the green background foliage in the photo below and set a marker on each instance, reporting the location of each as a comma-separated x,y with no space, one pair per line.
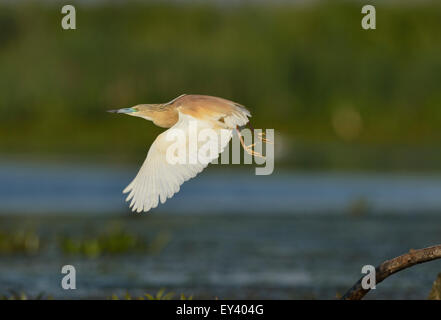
293,66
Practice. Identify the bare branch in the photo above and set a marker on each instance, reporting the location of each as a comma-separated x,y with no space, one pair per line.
395,265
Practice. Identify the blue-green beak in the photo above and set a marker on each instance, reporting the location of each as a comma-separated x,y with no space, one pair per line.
125,110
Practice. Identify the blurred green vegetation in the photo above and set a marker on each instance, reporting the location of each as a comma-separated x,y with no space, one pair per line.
339,96
19,242
114,239
435,292
160,295
23,296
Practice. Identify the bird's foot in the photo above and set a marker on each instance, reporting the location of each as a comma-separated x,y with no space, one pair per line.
250,151
261,137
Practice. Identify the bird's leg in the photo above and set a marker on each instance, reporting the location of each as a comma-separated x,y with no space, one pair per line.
259,135
248,149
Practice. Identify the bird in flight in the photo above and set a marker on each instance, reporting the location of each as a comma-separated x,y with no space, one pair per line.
158,179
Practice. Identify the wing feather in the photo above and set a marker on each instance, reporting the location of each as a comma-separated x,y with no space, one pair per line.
158,180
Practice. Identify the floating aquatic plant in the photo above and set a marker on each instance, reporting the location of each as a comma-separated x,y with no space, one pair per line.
116,241
20,241
23,296
160,295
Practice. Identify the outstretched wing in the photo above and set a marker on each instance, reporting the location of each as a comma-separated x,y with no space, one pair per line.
159,178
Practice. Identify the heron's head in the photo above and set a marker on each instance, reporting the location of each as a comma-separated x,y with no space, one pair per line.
141,110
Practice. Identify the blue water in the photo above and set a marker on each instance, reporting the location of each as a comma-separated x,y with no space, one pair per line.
30,188
229,256
232,234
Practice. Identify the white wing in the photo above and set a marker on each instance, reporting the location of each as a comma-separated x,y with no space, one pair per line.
159,179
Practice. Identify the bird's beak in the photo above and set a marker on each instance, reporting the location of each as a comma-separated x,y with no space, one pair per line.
125,110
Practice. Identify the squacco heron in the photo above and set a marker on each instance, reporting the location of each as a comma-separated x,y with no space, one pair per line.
158,180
